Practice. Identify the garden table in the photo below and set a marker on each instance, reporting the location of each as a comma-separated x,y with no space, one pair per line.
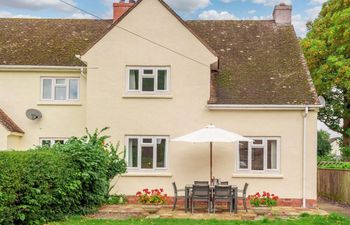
188,189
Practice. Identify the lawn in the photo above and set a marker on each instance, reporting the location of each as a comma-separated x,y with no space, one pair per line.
304,220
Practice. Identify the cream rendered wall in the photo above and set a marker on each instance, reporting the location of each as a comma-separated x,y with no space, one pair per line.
3,137
184,110
21,90
14,142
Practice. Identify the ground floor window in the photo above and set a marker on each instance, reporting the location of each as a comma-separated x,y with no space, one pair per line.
147,152
260,155
51,141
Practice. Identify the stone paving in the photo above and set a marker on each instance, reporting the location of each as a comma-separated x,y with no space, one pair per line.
331,206
129,211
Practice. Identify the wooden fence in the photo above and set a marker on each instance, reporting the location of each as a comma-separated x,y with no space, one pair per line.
334,184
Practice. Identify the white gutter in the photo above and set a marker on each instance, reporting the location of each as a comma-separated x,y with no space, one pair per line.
305,154
260,107
40,68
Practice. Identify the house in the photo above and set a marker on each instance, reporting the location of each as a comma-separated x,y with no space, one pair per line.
151,76
335,147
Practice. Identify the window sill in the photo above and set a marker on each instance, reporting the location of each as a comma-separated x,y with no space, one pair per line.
156,96
53,103
147,174
255,175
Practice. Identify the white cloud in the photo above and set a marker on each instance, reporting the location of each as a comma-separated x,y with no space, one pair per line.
227,1
252,11
6,14
261,18
187,5
317,2
299,24
215,15
177,5
272,2
313,12
38,4
81,16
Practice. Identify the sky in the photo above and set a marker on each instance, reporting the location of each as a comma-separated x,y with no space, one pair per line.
303,10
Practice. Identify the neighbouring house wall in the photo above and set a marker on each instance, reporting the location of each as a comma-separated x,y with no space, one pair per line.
336,149
14,142
3,137
21,91
184,110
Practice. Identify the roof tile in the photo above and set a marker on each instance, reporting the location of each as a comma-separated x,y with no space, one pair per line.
8,123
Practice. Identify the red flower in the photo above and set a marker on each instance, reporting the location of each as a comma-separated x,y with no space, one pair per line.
138,193
161,189
145,190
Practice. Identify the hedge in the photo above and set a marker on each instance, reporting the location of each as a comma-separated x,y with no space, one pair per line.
37,186
45,184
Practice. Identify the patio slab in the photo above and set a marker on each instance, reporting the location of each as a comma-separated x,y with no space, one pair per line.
122,212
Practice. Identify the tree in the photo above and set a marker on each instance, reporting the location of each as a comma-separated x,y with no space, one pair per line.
327,51
323,145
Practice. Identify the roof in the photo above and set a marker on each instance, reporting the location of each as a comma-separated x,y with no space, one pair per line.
8,123
260,62
47,42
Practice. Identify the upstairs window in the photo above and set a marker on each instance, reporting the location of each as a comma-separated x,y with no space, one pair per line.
261,155
60,89
148,80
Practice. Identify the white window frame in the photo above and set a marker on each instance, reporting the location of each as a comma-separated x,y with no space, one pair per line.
52,140
142,75
264,146
154,145
53,85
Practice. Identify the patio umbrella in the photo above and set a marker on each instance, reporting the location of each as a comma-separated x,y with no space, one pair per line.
211,134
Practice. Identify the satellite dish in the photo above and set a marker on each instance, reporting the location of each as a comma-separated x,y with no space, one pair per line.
33,114
322,101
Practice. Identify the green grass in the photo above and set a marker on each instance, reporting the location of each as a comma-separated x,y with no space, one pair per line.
333,219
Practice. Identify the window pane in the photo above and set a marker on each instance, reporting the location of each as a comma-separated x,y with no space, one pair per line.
47,89
271,154
60,93
257,142
243,155
257,159
147,140
162,80
147,84
134,80
148,71
161,153
46,143
133,152
59,142
73,89
147,157
60,81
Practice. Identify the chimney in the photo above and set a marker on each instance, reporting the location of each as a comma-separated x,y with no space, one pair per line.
282,14
119,8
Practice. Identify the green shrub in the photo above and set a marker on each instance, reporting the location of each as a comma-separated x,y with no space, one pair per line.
117,200
323,145
37,186
46,184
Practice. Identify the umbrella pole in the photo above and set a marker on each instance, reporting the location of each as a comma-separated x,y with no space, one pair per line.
211,162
